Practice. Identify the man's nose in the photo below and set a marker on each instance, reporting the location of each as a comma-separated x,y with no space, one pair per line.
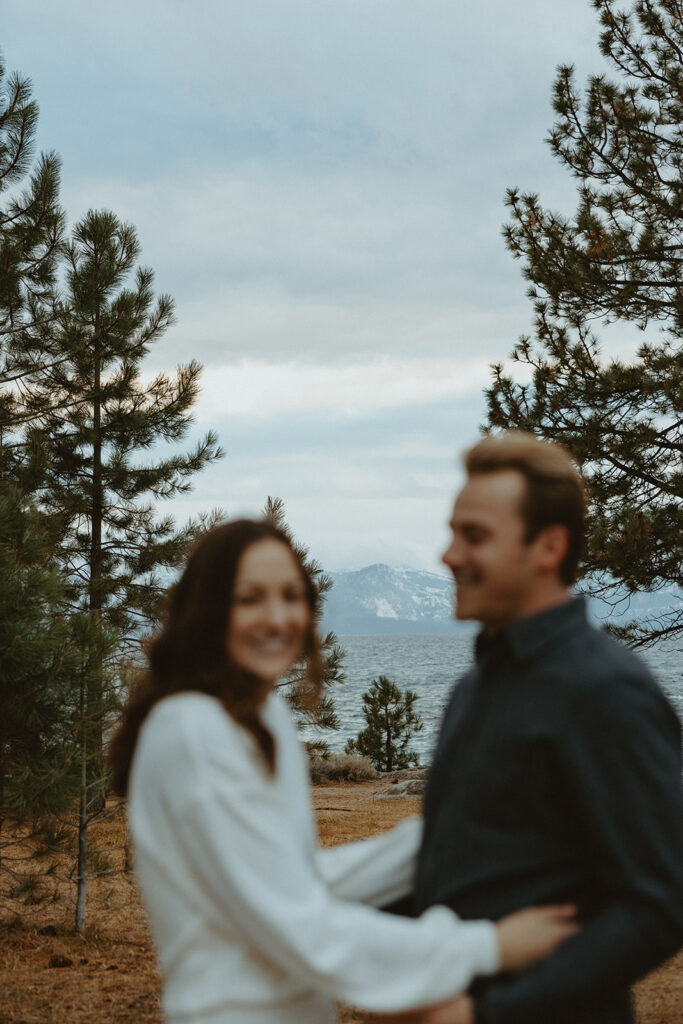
452,556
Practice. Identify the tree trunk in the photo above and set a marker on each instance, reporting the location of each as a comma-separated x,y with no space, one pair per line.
81,863
96,681
2,785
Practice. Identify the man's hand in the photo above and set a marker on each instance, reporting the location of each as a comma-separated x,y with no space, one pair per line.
458,1011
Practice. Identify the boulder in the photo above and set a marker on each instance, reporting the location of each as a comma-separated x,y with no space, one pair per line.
408,787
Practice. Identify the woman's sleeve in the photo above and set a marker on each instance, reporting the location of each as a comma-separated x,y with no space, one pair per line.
376,871
246,865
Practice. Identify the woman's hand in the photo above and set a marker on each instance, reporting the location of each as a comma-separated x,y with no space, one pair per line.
530,935
525,937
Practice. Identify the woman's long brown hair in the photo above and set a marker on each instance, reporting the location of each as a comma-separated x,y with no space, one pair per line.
190,652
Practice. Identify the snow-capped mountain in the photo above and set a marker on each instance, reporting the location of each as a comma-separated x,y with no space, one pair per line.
383,599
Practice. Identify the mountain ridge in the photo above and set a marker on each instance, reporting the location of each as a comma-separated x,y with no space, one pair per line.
384,599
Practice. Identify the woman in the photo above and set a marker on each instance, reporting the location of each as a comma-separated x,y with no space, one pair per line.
252,923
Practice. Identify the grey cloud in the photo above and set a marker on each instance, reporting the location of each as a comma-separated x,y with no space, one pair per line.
372,487
307,452
336,169
316,182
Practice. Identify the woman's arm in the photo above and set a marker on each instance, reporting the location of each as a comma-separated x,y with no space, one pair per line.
246,864
376,871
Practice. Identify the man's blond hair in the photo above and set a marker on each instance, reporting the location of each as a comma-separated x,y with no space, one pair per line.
554,492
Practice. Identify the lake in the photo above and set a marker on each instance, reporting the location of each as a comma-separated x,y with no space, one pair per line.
430,665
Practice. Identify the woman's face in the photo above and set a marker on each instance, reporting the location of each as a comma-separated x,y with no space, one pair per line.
269,615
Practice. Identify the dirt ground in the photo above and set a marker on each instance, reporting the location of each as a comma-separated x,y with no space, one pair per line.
50,975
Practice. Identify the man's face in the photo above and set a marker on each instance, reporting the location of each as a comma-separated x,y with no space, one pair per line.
494,568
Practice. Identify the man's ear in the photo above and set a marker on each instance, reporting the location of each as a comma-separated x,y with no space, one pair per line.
552,545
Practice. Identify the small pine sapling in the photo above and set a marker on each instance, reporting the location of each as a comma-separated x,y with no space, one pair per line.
391,724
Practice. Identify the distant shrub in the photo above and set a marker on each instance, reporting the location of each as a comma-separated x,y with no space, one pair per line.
341,768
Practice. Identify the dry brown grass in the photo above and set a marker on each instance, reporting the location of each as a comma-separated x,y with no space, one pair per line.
108,976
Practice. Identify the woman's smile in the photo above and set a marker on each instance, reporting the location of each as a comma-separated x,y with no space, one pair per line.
269,616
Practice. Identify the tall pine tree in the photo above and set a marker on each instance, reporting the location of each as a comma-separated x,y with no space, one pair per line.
38,685
77,428
618,259
102,448
39,692
107,443
31,231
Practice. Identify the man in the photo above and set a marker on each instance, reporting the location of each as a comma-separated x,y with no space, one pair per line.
556,776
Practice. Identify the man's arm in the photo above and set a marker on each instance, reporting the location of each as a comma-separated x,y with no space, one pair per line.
619,769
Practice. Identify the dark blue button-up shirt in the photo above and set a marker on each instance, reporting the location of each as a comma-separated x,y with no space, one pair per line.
557,778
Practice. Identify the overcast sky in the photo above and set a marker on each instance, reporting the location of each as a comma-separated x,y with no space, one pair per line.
320,187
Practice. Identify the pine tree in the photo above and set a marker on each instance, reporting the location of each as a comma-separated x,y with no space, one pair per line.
94,418
31,232
38,693
76,420
104,418
618,259
39,684
323,716
391,722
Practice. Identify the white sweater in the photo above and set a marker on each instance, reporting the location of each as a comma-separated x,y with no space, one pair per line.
251,920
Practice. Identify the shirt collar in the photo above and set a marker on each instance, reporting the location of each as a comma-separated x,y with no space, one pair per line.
528,637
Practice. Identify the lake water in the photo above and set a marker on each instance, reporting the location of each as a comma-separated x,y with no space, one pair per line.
430,665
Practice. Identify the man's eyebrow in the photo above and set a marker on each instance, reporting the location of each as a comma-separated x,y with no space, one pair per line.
464,525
